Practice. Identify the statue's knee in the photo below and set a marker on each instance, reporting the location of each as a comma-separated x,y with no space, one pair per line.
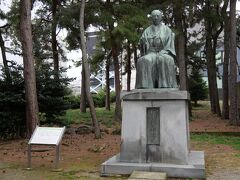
145,60
140,61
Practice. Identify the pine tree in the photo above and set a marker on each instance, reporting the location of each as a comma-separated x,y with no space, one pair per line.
197,87
29,71
233,111
87,73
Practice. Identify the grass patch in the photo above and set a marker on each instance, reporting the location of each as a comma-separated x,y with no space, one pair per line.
69,174
74,116
237,155
218,138
202,105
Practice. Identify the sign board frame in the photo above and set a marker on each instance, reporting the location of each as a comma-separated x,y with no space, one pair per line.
51,136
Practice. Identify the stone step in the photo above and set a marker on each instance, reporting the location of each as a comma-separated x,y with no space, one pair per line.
143,175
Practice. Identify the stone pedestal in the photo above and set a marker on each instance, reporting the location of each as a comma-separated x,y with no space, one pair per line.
155,135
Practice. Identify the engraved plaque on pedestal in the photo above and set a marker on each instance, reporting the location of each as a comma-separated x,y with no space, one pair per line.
153,126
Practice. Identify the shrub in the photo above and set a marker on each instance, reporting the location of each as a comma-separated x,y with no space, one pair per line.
74,101
52,99
12,104
197,87
112,97
52,93
99,99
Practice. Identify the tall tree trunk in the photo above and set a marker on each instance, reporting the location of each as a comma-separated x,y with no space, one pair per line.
54,38
212,78
208,46
216,94
107,99
87,73
233,111
118,110
182,63
211,44
29,72
83,105
211,71
225,105
118,115
185,34
108,4
180,43
4,58
135,54
128,67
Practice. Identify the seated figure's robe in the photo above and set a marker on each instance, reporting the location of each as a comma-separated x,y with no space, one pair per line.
156,68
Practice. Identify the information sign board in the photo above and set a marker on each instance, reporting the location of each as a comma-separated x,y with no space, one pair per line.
47,135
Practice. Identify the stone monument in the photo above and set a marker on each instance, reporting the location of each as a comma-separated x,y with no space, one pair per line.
155,124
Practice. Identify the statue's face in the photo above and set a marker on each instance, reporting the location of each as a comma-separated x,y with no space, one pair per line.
156,17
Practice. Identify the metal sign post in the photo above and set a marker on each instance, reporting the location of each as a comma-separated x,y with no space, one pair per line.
57,156
29,156
46,136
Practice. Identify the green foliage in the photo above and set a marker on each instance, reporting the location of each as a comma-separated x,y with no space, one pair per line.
52,93
69,19
131,19
43,23
99,98
52,98
42,117
12,104
75,116
41,29
13,19
112,96
129,16
73,101
197,87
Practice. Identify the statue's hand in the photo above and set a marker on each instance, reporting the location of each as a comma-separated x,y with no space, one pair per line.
143,47
164,52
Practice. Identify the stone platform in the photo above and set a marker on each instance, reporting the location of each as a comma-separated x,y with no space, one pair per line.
155,135
194,169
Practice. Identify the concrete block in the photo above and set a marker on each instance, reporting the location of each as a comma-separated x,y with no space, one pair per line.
173,125
148,175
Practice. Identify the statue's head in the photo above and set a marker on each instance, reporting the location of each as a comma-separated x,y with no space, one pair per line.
156,16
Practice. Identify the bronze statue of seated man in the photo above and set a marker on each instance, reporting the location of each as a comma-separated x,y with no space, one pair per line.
156,66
